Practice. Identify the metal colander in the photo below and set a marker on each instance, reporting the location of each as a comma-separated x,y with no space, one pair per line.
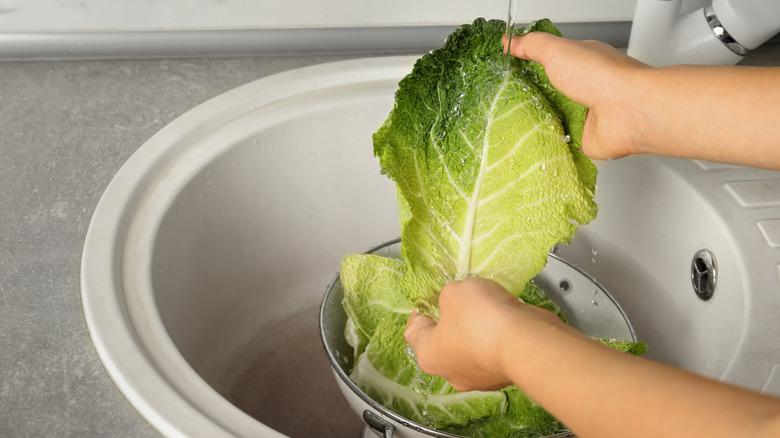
586,304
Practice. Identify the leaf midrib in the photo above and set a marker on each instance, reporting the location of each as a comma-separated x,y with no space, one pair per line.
464,255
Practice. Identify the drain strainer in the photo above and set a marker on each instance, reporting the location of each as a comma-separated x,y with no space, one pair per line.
704,274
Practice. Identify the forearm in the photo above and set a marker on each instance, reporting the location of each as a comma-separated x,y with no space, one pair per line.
603,393
724,114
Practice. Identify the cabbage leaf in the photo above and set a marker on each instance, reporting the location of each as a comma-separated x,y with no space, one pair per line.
486,159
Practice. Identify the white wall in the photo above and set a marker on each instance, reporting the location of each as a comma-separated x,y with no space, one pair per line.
31,16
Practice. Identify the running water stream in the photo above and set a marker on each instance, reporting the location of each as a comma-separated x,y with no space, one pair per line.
510,27
421,384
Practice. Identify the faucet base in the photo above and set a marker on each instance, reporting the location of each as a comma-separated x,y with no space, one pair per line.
662,36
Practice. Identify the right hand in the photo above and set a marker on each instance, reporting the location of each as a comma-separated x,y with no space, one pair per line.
597,76
479,323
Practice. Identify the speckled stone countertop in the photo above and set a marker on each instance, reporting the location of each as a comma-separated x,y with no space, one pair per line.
67,127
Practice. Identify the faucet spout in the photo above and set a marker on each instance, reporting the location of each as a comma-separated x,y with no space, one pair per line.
720,33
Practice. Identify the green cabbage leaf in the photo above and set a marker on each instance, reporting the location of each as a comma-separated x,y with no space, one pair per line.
486,158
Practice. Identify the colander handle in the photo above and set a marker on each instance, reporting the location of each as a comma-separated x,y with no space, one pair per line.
378,424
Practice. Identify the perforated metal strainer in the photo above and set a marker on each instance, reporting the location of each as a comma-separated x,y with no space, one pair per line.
586,304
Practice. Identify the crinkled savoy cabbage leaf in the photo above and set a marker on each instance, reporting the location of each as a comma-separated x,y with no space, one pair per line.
486,159
489,175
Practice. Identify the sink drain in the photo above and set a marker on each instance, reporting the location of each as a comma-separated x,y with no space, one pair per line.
704,274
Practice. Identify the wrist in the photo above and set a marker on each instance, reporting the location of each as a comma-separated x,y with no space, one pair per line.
642,97
528,344
637,93
618,124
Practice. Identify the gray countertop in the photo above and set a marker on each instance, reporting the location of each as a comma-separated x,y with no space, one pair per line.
67,127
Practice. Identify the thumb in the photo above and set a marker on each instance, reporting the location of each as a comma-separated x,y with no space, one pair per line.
418,328
418,334
533,45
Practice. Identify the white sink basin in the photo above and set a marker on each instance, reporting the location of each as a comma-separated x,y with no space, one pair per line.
210,250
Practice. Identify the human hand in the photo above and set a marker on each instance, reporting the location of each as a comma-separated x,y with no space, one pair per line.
480,323
597,76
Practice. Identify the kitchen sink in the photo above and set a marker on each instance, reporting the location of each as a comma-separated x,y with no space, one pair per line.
210,251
